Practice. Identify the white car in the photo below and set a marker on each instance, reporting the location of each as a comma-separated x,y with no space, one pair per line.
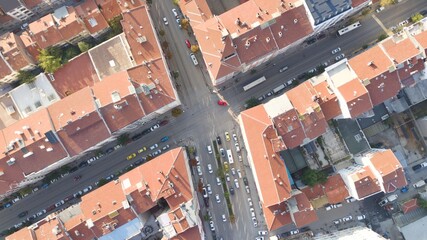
218,200
165,21
224,219
175,13
227,177
212,226
336,50
218,181
239,173
154,127
234,137
361,217
59,203
247,189
240,159
328,208
262,233
293,232
252,210
233,171
209,189
237,147
250,202
379,9
199,170
205,193
209,148
339,57
154,146
210,170
283,69
259,238
236,183
41,213
346,219
351,199
255,222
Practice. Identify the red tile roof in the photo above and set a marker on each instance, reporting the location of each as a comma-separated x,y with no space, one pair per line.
305,214
408,206
356,3
32,3
314,192
327,99
304,100
44,32
390,169
289,127
12,49
92,17
71,25
335,189
370,63
118,102
5,69
365,182
109,8
356,97
422,39
50,229
22,234
82,126
71,77
30,45
270,170
400,50
190,234
76,227
383,87
197,11
276,216
28,136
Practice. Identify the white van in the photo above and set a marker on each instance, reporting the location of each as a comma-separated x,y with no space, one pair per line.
194,59
419,184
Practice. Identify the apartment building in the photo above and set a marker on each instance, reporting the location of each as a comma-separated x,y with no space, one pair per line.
16,9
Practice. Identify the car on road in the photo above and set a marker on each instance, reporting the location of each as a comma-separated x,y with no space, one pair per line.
187,42
222,103
283,69
143,149
218,140
239,173
73,169
237,147
166,147
338,221
78,177
163,122
23,214
293,232
339,57
83,164
262,233
252,211
247,189
178,21
222,152
209,189
404,189
336,50
227,136
154,127
235,138
165,21
156,153
205,193
379,9
261,98
227,177
231,190
250,202
236,183
154,146
233,171
175,12
131,156
350,199
259,238
245,181
210,170
217,199
224,219
255,222
361,217
419,166
164,139
41,213
269,94
212,226
209,148
218,181
87,189
403,23
91,160
59,203
199,170
31,218
346,219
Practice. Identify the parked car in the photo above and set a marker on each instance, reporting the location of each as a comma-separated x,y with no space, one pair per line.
210,170
154,146
379,9
293,232
165,21
205,193
212,226
346,219
239,173
361,217
154,127
163,122
222,103
218,140
339,57
175,12
217,199
143,149
233,171
209,148
209,189
222,152
164,139
218,181
404,189
250,202
41,213
131,156
199,170
231,190
187,42
166,147
227,136
83,164
255,222
236,183
22,214
247,189
336,50
245,181
59,203
227,177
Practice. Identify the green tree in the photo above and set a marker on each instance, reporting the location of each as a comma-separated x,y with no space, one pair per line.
123,139
25,76
421,202
252,102
161,32
176,2
70,52
176,112
102,182
384,3
185,23
50,59
194,48
84,46
382,37
416,17
312,177
115,25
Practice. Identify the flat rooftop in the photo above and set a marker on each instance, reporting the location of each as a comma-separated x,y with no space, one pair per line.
340,73
111,57
322,10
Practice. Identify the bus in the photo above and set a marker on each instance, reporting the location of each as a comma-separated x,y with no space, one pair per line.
230,157
254,83
349,28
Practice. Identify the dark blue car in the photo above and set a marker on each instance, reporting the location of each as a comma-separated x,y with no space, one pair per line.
404,189
164,139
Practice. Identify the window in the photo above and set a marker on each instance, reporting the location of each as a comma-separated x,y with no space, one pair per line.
37,104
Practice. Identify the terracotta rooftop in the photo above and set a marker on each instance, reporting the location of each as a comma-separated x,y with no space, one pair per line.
356,96
44,32
5,69
269,169
365,182
335,189
10,48
50,229
370,63
109,8
327,99
71,77
408,206
197,11
276,216
32,3
30,45
117,101
400,50
22,234
68,23
190,234
304,99
92,17
305,214
422,39
390,169
32,143
314,192
154,85
81,124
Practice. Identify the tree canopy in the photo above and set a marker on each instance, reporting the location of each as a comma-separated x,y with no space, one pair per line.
50,59
312,177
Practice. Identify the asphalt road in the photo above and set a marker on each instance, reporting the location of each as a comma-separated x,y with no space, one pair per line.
203,119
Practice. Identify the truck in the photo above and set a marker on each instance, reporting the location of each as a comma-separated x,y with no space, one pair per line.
419,184
279,88
388,199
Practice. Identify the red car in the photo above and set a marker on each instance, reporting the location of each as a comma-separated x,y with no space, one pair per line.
222,103
187,42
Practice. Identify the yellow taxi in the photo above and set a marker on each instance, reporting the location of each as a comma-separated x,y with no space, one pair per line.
227,136
142,149
131,156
